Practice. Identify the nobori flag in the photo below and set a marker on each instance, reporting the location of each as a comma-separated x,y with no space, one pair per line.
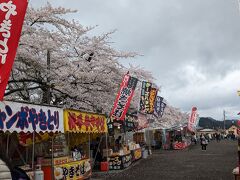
124,97
192,120
12,14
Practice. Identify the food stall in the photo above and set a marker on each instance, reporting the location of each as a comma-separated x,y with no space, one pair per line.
26,125
78,128
125,151
176,138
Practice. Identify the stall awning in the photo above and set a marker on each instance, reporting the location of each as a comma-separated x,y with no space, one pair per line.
83,122
21,117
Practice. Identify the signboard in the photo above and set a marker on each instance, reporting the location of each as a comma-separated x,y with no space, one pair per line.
73,170
120,162
144,101
152,97
158,106
192,120
124,97
82,122
137,154
11,19
22,117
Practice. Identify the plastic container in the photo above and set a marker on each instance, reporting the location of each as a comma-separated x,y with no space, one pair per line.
104,166
145,154
39,175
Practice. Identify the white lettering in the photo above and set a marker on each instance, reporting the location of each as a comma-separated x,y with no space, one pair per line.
5,28
9,8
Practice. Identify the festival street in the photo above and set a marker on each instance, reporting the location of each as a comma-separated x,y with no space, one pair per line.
119,89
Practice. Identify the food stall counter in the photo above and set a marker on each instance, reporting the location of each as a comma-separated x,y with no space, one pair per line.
67,168
118,161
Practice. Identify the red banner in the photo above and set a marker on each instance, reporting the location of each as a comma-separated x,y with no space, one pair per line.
124,97
11,20
192,120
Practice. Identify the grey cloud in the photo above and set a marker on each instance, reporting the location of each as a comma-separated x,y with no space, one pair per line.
171,35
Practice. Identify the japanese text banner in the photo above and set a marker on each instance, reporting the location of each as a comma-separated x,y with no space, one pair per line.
192,120
124,97
81,122
152,97
74,170
11,19
21,117
144,99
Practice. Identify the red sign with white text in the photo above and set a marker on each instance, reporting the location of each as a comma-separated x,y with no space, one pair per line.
192,120
12,13
124,97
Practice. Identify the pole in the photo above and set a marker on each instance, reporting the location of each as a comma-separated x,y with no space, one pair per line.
7,143
224,121
48,79
52,161
89,146
33,149
107,145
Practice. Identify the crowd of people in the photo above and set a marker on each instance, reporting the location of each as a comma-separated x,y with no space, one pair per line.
204,139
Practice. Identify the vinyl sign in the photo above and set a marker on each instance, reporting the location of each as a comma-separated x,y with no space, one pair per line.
11,20
124,97
192,120
144,101
21,117
152,97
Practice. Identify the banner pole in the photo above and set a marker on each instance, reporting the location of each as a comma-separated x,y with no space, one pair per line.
33,154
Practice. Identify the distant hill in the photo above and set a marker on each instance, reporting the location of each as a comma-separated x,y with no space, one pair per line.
208,122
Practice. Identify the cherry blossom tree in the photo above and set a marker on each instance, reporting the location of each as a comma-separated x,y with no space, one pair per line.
58,62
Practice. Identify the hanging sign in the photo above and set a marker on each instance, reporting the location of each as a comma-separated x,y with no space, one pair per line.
152,97
82,122
21,117
11,20
73,170
144,100
124,97
157,106
163,105
192,120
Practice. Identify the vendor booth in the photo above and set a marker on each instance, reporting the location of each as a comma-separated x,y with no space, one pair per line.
124,150
79,129
176,138
26,125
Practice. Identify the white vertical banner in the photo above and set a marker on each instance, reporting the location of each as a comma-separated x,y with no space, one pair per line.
192,121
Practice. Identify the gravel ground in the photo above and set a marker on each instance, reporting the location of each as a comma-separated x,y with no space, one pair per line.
216,163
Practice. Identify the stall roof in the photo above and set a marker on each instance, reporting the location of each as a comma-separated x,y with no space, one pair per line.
83,122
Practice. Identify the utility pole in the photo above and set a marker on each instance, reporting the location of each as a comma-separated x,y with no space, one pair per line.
224,120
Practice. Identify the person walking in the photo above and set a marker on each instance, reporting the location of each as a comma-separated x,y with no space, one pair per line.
204,143
218,137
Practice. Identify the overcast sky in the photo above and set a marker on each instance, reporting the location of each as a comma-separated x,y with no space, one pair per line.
192,47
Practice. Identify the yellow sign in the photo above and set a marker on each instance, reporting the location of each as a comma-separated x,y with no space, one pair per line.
76,170
81,122
137,154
